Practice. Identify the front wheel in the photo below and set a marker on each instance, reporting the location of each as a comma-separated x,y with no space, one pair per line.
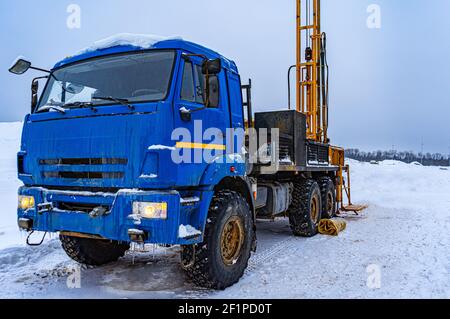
220,261
93,252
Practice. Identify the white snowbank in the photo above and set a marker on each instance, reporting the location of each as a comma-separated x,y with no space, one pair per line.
144,41
188,231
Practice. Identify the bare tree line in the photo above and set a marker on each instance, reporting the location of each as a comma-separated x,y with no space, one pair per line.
427,159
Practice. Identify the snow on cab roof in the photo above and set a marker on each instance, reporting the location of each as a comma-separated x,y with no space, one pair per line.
124,42
142,41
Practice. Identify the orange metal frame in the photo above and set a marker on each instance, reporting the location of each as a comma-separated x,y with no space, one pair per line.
310,99
308,72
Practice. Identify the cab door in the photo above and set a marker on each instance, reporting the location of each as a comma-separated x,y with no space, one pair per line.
207,126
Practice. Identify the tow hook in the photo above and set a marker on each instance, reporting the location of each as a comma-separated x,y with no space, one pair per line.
137,236
35,244
99,211
45,208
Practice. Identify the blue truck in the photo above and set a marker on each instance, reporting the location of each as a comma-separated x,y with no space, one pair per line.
98,167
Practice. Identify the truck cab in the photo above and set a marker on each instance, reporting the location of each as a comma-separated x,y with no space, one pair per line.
98,146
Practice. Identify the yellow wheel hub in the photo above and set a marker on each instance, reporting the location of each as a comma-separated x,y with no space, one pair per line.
330,204
315,208
232,240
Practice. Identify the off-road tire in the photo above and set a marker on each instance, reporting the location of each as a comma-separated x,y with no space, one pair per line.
93,252
300,217
328,191
209,269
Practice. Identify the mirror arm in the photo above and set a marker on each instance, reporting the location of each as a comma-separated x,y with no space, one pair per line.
207,89
34,95
198,110
187,116
197,55
39,69
40,78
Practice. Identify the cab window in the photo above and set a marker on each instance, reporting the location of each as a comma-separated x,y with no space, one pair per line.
193,86
188,85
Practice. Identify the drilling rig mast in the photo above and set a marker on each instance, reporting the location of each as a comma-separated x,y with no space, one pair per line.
312,70
312,92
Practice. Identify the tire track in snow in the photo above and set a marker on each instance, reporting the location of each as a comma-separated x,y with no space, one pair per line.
257,260
260,258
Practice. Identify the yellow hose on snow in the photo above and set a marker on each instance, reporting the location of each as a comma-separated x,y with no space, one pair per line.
332,227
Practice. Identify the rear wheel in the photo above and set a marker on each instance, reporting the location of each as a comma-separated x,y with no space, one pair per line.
93,252
306,208
220,261
328,191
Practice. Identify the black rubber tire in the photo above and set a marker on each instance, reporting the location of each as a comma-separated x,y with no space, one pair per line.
93,252
300,219
328,191
209,269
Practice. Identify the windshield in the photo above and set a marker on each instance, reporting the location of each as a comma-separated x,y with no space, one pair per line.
136,77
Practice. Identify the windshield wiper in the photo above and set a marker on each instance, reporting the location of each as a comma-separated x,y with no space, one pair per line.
81,105
52,107
124,102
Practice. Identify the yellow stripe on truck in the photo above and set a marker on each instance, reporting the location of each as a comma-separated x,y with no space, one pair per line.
201,146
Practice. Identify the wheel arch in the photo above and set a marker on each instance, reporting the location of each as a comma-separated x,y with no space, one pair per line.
242,186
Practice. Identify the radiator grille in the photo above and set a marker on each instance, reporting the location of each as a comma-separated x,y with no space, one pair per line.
84,175
78,207
84,161
83,168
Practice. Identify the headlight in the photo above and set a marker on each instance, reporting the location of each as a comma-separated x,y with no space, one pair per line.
26,202
150,210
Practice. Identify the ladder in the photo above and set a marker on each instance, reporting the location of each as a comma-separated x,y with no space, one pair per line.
312,72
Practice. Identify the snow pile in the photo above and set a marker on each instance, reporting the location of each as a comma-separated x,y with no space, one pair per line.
9,146
393,184
161,147
184,110
188,231
143,41
136,218
287,160
189,200
150,176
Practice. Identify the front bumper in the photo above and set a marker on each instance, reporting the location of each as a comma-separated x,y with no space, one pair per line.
50,214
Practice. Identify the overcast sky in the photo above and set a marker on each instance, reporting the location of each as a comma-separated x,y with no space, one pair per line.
389,86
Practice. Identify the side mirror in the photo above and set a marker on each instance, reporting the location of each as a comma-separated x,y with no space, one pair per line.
20,66
213,92
212,67
186,116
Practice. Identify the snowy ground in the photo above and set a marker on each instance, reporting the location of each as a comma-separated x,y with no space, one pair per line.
404,236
